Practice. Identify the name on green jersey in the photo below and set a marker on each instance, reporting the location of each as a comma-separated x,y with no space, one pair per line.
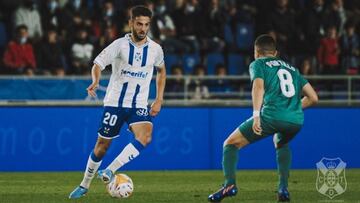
279,63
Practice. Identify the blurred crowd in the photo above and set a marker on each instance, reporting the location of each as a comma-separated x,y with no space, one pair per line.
62,37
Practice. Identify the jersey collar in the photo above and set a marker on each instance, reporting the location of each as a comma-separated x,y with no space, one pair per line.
128,37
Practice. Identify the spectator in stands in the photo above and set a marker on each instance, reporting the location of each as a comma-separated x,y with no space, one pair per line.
124,23
220,85
313,26
199,86
352,8
164,31
27,14
50,55
282,23
52,16
108,36
81,52
175,87
213,32
336,15
75,15
349,44
328,53
19,55
188,22
107,18
306,67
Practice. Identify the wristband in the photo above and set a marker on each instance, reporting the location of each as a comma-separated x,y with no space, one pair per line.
256,113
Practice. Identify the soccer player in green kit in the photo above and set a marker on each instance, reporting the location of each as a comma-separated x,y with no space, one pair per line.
277,109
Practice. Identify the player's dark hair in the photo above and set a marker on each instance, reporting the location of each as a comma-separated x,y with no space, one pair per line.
21,27
265,44
137,11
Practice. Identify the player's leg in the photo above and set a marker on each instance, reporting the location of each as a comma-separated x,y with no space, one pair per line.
140,124
231,146
142,132
284,156
283,160
107,131
241,137
95,160
92,165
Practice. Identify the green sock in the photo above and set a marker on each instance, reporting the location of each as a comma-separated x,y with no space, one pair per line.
283,159
230,158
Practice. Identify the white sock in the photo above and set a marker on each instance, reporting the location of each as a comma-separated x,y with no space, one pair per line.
128,153
91,169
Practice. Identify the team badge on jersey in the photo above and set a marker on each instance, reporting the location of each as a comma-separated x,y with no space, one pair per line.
331,180
138,56
142,112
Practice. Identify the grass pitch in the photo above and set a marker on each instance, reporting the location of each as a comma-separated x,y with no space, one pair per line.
171,187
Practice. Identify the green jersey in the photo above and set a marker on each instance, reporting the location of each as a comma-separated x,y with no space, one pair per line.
283,87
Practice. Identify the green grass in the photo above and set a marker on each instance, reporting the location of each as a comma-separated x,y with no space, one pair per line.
170,187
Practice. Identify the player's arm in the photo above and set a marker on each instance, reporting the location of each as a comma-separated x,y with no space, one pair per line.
310,97
105,58
257,99
95,75
160,87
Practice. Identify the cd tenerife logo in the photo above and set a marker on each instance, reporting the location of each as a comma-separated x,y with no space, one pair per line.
331,179
132,74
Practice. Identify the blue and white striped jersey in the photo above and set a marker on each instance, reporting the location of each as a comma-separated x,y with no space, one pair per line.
132,70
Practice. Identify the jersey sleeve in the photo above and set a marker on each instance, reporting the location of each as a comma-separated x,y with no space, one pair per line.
256,70
107,55
159,59
303,81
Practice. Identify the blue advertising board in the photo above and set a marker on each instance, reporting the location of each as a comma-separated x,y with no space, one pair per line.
61,138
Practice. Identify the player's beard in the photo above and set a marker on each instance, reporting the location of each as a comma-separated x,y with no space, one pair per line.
138,37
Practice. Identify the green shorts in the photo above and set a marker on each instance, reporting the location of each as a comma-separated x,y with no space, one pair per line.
285,130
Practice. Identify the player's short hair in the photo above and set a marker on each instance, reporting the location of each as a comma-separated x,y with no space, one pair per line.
21,27
265,44
137,11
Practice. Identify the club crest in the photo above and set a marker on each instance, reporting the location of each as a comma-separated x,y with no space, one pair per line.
137,56
331,180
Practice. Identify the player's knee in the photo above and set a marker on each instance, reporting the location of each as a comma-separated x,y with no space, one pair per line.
239,142
101,149
145,138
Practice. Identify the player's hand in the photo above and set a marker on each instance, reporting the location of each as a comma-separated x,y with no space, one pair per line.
155,107
92,89
257,126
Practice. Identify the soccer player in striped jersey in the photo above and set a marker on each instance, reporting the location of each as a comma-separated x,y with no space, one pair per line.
133,59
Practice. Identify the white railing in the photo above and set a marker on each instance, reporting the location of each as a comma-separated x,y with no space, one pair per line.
337,90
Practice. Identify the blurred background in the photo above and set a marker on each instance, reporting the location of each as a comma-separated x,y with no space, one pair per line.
47,48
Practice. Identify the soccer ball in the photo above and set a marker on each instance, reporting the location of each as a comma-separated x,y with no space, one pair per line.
121,186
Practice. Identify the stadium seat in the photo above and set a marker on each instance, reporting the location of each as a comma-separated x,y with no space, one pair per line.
236,64
244,36
228,34
3,35
189,61
212,60
170,60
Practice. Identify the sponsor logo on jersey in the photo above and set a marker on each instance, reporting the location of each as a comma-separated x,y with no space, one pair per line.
132,74
331,180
